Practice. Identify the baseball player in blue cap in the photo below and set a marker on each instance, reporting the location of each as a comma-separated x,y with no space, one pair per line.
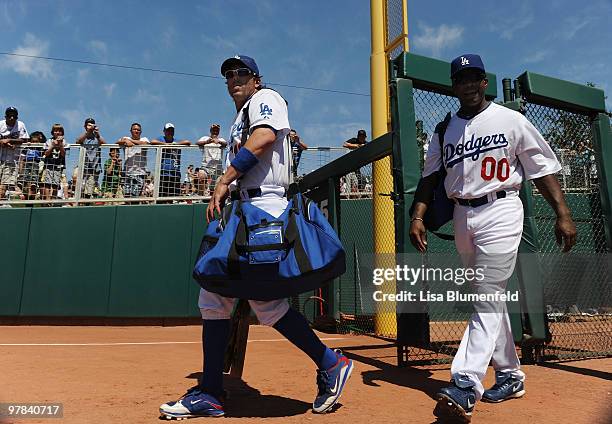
259,154
488,151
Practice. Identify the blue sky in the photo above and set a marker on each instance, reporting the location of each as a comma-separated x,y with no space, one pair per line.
320,44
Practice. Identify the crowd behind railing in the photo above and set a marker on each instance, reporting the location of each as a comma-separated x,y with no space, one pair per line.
90,170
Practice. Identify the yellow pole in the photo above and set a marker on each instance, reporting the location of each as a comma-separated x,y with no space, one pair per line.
384,227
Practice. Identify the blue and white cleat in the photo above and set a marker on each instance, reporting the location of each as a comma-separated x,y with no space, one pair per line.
455,402
331,382
510,388
193,404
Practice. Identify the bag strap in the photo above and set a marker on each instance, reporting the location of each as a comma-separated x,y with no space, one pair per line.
441,131
292,236
233,257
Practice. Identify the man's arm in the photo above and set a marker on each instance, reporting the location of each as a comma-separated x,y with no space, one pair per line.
302,145
350,145
261,139
422,197
81,138
184,143
98,136
565,229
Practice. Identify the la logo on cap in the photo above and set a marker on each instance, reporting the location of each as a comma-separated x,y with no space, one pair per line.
464,61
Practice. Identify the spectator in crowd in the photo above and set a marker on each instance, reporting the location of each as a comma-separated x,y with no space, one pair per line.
149,188
12,133
356,180
297,147
30,165
212,159
135,160
170,178
188,181
91,141
112,173
55,160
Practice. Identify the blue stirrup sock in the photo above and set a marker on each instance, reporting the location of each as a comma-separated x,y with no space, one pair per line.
215,336
295,328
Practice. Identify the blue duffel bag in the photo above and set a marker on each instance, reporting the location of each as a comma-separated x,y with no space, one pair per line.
250,254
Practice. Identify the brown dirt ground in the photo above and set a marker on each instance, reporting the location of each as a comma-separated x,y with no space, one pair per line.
127,383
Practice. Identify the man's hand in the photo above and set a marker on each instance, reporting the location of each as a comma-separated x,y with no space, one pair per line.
217,200
418,235
565,229
565,232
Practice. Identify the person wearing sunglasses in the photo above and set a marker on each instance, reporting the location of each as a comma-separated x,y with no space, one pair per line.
259,153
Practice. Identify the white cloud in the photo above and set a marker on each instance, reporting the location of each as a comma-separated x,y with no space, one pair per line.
168,36
109,89
82,77
73,119
511,27
434,40
144,96
575,24
99,48
37,68
343,110
537,56
220,43
11,14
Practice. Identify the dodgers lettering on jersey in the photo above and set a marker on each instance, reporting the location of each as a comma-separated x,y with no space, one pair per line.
268,108
495,150
473,148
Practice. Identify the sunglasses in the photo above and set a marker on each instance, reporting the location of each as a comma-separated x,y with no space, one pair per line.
240,72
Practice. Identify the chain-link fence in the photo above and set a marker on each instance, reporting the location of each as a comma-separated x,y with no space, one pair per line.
578,298
446,323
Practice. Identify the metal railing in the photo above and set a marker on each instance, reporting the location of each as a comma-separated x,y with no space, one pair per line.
112,174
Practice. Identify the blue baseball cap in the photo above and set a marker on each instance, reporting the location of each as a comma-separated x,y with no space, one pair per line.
466,61
247,62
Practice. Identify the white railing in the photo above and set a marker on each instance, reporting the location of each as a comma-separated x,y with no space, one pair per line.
141,174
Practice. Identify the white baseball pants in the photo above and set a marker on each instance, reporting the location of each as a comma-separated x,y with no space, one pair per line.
489,236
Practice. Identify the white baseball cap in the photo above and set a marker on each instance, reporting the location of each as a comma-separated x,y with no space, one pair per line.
168,125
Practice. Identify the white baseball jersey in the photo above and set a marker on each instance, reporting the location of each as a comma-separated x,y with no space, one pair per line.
493,151
136,158
16,131
266,107
211,151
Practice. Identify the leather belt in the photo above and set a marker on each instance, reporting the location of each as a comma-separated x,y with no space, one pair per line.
479,201
250,193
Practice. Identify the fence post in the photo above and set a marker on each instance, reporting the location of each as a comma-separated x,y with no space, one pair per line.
602,141
81,165
412,328
157,172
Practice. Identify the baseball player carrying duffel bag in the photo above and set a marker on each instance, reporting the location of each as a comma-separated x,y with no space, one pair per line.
250,254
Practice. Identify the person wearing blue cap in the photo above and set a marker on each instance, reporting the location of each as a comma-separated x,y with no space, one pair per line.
259,153
486,151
